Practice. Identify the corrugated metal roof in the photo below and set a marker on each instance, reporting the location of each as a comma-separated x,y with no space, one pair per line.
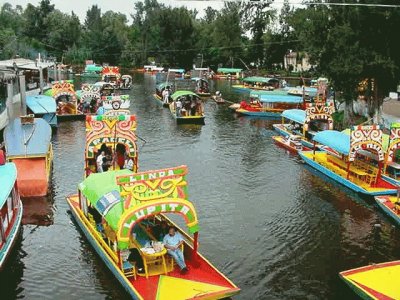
23,63
7,75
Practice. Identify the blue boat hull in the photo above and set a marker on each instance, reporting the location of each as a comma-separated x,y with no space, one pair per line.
344,181
260,114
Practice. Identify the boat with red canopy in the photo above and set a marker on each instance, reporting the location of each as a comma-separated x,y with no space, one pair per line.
132,209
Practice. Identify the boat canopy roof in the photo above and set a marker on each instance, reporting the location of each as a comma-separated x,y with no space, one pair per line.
296,115
280,99
124,198
41,104
385,139
8,176
93,68
260,79
338,141
177,70
229,70
31,139
178,94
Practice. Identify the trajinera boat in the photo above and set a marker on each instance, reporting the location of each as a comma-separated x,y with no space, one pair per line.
65,96
228,73
132,209
115,136
290,142
42,106
202,88
376,281
187,107
10,209
258,83
111,75
159,92
316,117
343,159
390,205
28,145
92,71
268,105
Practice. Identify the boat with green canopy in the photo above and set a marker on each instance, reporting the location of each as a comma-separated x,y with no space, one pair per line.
228,73
131,210
187,107
258,83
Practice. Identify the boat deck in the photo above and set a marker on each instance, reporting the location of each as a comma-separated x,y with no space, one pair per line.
361,177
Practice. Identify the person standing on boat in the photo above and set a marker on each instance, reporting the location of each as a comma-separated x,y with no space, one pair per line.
128,163
178,105
99,161
173,241
165,95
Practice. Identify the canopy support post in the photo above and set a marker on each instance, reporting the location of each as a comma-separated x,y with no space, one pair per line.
348,169
378,175
314,150
194,259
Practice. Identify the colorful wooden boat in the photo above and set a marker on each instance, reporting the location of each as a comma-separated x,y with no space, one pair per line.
191,110
258,83
377,281
28,145
391,170
159,90
42,106
133,207
340,160
390,205
125,82
316,117
202,89
219,100
290,142
268,105
89,98
114,134
92,71
10,210
112,75
67,103
228,73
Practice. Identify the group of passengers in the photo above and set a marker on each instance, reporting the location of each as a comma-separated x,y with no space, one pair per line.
105,160
188,106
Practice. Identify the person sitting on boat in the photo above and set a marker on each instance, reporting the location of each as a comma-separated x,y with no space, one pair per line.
100,110
218,95
173,241
178,107
99,162
128,162
135,258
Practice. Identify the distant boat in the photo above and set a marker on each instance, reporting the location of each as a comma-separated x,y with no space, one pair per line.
376,281
43,107
28,145
10,208
191,111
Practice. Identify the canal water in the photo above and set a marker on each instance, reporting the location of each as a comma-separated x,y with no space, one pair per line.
275,227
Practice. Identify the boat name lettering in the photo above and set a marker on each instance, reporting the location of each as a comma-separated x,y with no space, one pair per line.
161,208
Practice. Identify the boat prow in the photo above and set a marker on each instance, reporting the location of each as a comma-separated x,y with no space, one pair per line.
377,281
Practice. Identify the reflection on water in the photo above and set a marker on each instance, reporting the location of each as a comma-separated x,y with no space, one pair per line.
37,211
277,228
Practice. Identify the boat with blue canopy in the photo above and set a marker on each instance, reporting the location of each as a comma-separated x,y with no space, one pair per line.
122,214
315,118
10,209
28,145
43,107
160,88
342,159
262,105
187,107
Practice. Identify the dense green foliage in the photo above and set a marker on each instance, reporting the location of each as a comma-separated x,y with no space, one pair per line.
347,44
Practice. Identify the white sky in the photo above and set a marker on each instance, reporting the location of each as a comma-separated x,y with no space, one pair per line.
124,6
